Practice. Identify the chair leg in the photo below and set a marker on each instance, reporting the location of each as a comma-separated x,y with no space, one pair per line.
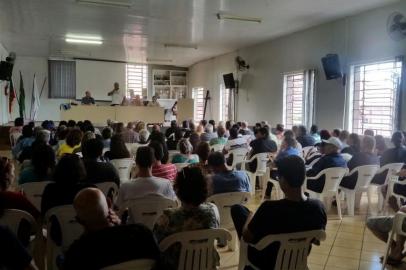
358,198
350,202
380,200
232,245
338,205
264,181
388,244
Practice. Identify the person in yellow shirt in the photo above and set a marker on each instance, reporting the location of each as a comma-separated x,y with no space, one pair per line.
72,142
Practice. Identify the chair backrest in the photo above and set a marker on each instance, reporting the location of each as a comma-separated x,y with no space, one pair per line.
239,155
392,169
124,167
365,175
217,147
197,247
109,189
306,150
398,221
148,209
333,177
180,166
13,219
33,191
63,217
224,201
141,264
262,161
293,251
347,157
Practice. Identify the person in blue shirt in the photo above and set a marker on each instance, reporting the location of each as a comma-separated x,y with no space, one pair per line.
288,148
331,159
26,139
305,139
225,180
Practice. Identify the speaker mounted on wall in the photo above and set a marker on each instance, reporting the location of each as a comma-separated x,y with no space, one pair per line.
331,66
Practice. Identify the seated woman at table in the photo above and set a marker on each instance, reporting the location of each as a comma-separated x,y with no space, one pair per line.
185,155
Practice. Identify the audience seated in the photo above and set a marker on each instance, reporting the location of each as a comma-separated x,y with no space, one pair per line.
144,136
397,153
365,157
381,146
303,138
245,130
208,133
170,132
68,181
234,140
173,140
194,213
194,138
105,242
41,167
353,145
369,132
314,132
288,148
262,144
225,180
18,125
213,123
118,149
158,136
185,155
25,140
160,169
332,158
325,134
106,134
97,171
73,140
220,139
13,253
336,133
344,136
129,135
295,213
10,199
145,183
41,137
203,151
87,135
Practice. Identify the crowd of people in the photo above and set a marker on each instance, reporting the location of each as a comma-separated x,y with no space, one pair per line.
75,157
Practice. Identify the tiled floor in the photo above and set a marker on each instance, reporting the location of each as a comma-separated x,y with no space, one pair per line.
348,246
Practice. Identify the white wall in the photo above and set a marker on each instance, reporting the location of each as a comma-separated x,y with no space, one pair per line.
361,38
3,99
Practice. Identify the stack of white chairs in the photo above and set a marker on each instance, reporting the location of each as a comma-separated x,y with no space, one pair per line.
124,167
33,191
333,177
224,201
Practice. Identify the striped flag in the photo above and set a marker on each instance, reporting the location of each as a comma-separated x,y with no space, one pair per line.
35,102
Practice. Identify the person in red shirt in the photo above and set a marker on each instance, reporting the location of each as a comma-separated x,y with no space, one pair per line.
166,171
11,199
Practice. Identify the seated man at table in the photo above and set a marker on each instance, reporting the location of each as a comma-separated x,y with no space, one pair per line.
225,180
332,158
104,242
87,99
295,213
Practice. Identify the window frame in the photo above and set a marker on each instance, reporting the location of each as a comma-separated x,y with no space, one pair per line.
143,82
198,102
285,98
53,94
224,103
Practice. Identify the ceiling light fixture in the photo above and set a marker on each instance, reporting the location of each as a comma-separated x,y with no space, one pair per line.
184,46
87,37
225,16
110,3
83,41
158,60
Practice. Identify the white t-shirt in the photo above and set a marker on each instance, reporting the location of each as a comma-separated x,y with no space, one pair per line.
117,97
142,186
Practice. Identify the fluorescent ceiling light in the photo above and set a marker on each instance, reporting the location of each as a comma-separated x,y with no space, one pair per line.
225,16
111,3
84,41
185,46
87,37
158,60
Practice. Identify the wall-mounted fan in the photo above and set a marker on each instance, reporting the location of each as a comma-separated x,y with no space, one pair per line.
397,26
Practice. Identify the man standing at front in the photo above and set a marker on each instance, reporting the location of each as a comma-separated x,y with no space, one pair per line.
117,96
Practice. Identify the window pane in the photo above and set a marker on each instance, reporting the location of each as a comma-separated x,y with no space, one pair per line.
224,103
198,96
62,79
294,102
137,79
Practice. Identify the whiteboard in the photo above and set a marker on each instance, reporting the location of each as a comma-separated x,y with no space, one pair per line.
98,77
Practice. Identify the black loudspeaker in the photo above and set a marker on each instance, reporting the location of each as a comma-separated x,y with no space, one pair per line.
229,81
331,66
6,70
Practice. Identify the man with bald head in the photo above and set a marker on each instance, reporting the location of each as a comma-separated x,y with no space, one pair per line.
105,242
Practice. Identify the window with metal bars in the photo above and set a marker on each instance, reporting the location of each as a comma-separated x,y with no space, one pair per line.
224,103
198,96
137,79
294,99
374,96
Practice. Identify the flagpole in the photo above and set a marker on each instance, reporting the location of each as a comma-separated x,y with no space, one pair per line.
43,85
32,97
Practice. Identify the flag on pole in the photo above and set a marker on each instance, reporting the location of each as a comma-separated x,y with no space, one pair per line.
35,102
21,100
11,97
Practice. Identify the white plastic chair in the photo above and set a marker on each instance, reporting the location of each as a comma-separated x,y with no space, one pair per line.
347,157
224,201
70,230
392,169
180,166
397,229
33,191
262,160
217,147
267,178
108,188
13,218
197,247
333,177
124,167
239,154
394,180
141,264
365,175
293,251
146,210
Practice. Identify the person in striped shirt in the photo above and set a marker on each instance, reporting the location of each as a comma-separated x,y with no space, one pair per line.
167,171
